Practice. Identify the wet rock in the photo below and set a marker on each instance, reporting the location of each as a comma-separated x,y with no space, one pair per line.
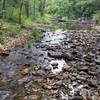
74,52
84,93
39,72
47,68
74,74
55,67
45,86
50,48
31,97
83,78
4,54
76,98
98,81
23,80
91,54
27,64
67,56
92,82
84,68
66,67
17,58
25,71
63,95
88,58
54,64
29,84
93,72
55,54
72,78
5,95
58,83
97,61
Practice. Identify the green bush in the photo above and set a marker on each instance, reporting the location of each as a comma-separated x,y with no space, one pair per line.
26,21
43,19
36,33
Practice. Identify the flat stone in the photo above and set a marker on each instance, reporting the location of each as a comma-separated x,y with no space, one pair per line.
55,54
84,68
81,78
93,73
76,98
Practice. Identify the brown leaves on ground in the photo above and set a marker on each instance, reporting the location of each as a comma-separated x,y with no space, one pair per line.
11,42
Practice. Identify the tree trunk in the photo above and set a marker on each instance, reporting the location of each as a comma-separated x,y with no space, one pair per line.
34,9
27,8
20,12
42,7
3,8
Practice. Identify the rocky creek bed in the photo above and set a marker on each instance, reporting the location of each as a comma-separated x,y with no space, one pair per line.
63,65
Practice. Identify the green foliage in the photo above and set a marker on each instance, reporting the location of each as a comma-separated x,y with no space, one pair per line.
41,11
43,19
15,15
72,8
14,29
96,16
36,33
26,21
